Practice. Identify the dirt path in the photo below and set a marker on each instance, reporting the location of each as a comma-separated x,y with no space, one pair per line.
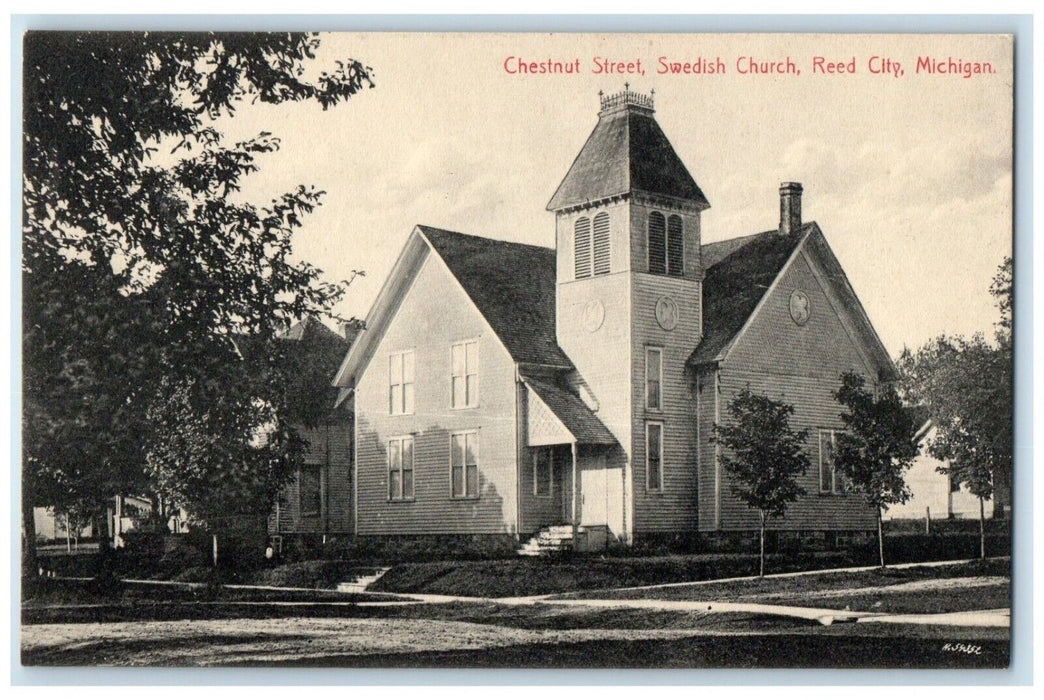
214,642
933,584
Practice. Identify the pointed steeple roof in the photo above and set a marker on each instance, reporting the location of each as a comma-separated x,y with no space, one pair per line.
627,152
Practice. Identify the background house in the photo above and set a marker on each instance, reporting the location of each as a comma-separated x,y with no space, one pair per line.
935,494
318,501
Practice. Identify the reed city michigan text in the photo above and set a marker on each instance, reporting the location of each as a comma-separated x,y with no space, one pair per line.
751,65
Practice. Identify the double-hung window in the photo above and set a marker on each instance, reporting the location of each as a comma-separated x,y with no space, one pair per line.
654,379
830,479
400,382
464,465
654,456
400,468
465,374
310,489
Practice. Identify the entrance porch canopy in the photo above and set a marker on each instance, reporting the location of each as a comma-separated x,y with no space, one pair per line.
558,417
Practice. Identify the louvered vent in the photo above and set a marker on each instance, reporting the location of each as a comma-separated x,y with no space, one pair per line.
601,244
675,246
582,242
657,244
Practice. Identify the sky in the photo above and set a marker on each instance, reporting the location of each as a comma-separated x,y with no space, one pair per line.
908,175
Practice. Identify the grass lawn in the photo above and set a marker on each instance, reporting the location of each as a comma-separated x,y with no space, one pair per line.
943,599
538,576
953,588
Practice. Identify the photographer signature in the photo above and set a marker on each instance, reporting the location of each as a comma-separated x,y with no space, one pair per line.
960,648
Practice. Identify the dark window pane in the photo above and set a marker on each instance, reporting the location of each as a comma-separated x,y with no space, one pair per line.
407,453
457,456
473,481
654,394
655,458
653,361
458,392
407,483
826,461
458,480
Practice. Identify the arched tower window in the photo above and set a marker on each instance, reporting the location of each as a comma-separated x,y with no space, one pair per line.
657,244
601,244
675,246
582,247
666,245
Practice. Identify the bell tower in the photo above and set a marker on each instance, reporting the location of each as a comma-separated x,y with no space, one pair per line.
629,307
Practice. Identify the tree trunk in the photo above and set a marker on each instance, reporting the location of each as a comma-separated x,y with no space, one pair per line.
982,529
761,567
117,523
30,564
880,537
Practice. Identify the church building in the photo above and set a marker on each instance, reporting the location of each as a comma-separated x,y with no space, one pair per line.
508,389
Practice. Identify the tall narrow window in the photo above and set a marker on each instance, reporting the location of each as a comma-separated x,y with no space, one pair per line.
601,244
465,374
543,471
653,378
464,465
400,469
310,489
654,456
657,244
582,247
400,382
830,480
675,246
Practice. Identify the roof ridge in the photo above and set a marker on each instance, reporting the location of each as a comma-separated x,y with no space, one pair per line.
427,228
511,285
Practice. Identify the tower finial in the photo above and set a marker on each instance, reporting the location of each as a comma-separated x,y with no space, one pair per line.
626,99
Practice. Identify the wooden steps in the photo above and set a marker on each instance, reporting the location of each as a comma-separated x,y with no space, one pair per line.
363,579
551,539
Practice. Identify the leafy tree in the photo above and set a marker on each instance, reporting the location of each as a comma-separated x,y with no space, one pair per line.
877,447
143,268
765,458
967,386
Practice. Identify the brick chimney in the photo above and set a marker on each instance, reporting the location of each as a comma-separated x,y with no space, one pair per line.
349,329
789,207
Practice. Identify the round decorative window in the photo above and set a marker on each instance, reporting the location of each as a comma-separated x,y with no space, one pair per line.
593,316
800,307
667,313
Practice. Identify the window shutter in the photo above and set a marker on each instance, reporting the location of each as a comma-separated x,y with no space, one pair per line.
601,244
582,242
657,244
675,246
